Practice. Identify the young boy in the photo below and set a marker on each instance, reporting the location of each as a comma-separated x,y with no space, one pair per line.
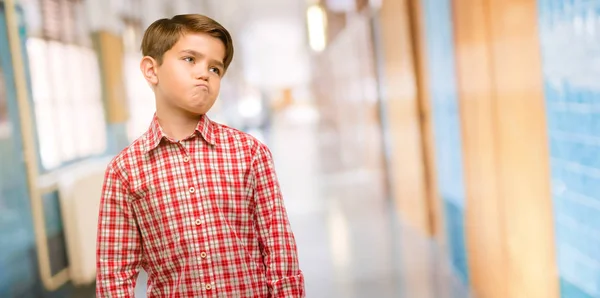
194,203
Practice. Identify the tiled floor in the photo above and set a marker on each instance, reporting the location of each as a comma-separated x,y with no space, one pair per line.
350,243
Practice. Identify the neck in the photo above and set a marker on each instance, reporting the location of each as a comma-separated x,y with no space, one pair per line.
177,125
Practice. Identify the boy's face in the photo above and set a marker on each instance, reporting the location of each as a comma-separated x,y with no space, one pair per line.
189,78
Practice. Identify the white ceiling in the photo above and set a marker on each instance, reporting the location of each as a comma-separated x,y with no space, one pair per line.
270,39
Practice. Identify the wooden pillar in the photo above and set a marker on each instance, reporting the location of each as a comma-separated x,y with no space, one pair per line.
402,106
109,47
509,221
433,201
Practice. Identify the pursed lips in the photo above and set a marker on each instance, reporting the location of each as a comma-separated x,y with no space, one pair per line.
204,86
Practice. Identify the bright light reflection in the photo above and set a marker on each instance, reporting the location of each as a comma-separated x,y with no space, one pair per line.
317,24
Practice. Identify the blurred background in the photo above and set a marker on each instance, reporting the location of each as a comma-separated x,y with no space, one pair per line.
425,148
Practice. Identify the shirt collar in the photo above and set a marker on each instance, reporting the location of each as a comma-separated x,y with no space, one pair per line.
155,134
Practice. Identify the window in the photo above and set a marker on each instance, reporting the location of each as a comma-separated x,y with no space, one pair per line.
66,91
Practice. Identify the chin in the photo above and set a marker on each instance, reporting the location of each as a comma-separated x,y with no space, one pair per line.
201,109
197,112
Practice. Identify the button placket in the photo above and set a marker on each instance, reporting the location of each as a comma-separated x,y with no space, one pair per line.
199,222
203,257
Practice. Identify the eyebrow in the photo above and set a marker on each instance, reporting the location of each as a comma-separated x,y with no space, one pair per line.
198,54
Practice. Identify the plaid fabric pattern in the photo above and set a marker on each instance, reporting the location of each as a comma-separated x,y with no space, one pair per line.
203,216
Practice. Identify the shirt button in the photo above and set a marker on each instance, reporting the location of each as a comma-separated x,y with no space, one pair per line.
186,159
198,222
192,190
208,286
203,255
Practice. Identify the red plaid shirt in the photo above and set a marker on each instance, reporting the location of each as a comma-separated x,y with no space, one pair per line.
203,216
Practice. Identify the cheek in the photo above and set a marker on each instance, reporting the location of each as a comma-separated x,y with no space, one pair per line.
169,77
177,71
215,86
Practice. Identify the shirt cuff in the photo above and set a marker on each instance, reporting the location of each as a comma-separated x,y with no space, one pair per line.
289,287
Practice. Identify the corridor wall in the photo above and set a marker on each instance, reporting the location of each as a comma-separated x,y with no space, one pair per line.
19,275
409,139
569,47
439,54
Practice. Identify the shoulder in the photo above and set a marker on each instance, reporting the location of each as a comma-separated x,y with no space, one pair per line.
122,164
237,139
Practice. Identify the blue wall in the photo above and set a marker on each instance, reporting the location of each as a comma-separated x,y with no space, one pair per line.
446,120
569,34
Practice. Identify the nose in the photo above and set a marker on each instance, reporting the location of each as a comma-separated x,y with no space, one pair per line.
201,73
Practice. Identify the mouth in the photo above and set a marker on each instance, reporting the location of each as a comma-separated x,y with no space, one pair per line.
202,86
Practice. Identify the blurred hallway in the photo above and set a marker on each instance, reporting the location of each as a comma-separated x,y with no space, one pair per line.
350,240
425,148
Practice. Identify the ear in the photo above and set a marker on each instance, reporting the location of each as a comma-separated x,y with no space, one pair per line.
149,68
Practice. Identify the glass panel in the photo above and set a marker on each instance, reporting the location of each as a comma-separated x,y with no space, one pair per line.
48,138
68,101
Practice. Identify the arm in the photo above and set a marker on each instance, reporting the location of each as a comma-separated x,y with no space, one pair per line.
275,235
119,249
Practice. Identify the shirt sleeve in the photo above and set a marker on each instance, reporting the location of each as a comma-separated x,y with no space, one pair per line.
119,249
284,276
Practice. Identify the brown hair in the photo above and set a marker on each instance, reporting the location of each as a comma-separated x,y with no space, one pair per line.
162,35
